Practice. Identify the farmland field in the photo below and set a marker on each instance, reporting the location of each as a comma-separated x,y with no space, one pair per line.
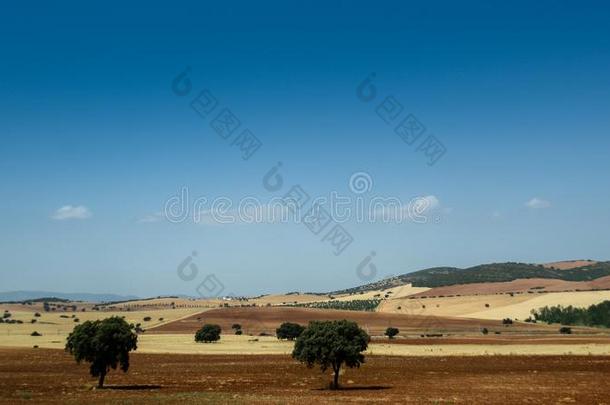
50,376
257,320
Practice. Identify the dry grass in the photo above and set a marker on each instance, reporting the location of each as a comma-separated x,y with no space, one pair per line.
247,345
500,306
57,325
569,264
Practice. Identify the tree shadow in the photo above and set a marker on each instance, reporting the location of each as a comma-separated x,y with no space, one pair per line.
133,387
356,388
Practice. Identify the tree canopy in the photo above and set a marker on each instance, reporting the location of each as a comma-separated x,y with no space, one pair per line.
331,344
208,333
595,315
391,332
289,330
103,343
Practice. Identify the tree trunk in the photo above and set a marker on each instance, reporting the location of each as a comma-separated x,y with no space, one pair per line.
100,382
336,377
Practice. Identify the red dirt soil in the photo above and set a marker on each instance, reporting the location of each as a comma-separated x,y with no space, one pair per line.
255,320
52,376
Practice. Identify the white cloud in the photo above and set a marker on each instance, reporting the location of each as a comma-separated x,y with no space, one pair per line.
537,203
71,212
156,217
417,210
246,213
431,202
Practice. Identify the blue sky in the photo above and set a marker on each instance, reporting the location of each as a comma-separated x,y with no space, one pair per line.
94,140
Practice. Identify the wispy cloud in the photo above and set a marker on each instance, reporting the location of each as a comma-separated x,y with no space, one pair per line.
538,203
150,218
430,202
417,210
71,212
272,213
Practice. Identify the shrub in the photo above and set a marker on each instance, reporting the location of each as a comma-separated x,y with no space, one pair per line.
289,330
160,319
564,330
391,332
33,321
37,314
35,334
484,331
6,315
238,332
76,320
507,321
208,333
147,318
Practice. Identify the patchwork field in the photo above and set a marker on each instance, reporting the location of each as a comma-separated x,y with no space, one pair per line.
255,321
51,376
449,335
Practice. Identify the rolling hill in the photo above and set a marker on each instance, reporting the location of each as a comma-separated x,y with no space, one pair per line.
490,273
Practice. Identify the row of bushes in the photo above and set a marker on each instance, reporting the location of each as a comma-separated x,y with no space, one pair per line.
353,305
595,315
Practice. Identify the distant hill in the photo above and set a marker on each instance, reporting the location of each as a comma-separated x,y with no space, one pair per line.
13,296
569,264
488,273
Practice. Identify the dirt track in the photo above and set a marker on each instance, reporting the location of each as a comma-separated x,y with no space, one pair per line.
267,319
51,376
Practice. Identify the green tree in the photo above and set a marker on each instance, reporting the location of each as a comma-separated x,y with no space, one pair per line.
289,330
331,344
208,333
103,343
391,332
